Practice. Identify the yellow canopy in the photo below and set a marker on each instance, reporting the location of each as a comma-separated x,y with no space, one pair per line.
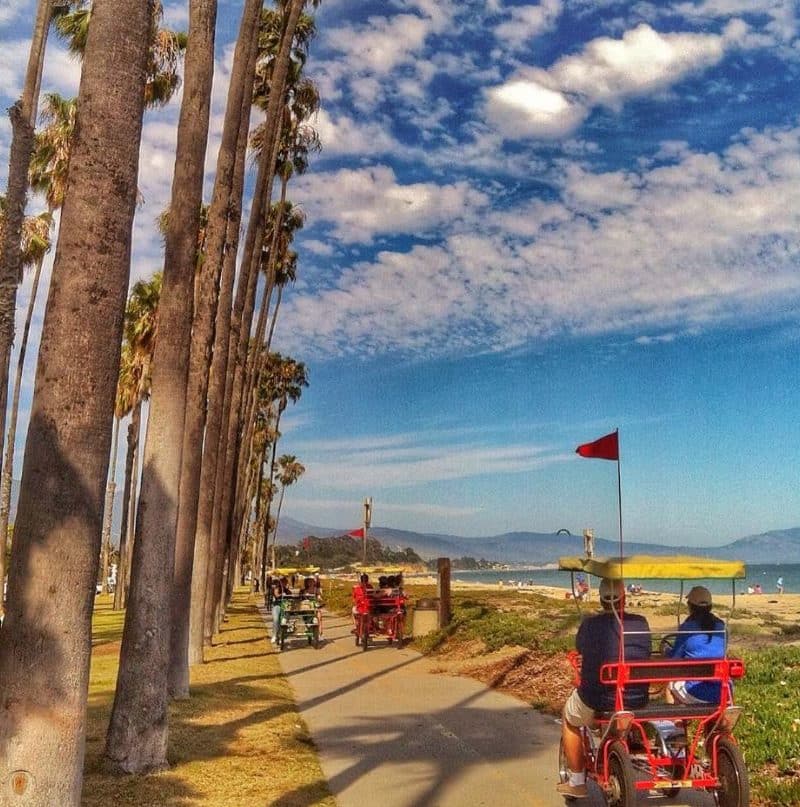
287,570
360,569
655,567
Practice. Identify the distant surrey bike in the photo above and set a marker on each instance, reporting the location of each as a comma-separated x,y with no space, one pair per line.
664,747
379,612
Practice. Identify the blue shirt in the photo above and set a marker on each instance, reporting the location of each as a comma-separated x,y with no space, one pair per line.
695,644
598,643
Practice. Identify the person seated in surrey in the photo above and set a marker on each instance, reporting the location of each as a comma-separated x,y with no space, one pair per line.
700,636
598,643
279,588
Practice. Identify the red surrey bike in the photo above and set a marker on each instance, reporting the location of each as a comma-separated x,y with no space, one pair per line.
664,747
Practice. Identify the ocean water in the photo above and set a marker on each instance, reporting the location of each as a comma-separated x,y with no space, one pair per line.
764,574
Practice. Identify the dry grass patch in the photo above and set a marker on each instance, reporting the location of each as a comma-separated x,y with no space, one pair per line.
237,741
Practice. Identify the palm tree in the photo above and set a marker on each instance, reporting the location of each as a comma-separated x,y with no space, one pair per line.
293,146
282,382
289,471
71,20
23,120
35,244
45,642
140,331
137,733
48,175
133,388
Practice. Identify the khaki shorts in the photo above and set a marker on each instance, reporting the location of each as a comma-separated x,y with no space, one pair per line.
576,712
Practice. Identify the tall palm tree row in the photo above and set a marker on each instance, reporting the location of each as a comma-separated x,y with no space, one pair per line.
231,482
137,734
186,547
45,641
296,141
200,464
71,18
241,319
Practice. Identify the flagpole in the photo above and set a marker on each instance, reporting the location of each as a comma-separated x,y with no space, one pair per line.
619,499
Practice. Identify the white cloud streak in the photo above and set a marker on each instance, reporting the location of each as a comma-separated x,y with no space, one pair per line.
554,102
692,243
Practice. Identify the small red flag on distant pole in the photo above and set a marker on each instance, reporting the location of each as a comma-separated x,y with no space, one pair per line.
356,533
606,448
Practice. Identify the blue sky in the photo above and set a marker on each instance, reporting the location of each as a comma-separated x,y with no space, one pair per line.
531,224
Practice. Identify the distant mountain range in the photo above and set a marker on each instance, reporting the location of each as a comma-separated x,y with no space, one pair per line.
777,546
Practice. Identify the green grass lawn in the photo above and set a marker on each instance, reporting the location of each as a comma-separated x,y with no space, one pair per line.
237,741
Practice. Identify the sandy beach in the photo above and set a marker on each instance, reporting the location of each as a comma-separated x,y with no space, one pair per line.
782,607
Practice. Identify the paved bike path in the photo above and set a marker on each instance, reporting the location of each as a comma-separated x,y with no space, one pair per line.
391,732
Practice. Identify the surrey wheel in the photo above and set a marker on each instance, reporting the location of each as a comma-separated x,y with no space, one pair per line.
734,785
621,784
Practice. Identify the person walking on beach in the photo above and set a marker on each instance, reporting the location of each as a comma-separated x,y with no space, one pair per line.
779,585
598,643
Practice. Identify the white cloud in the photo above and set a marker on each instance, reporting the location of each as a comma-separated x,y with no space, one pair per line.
383,44
527,22
523,107
11,9
411,460
701,241
781,15
343,135
366,202
553,102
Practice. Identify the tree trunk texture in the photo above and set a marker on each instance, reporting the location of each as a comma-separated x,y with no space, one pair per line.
128,495
137,733
108,510
23,121
237,124
8,465
45,643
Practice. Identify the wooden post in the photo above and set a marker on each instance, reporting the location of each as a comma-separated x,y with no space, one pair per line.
443,591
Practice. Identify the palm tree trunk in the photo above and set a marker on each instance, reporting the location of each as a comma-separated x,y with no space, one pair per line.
125,533
108,510
274,317
23,120
272,476
204,559
45,642
137,733
8,465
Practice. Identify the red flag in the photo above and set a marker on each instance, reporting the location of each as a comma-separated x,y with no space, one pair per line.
606,448
356,533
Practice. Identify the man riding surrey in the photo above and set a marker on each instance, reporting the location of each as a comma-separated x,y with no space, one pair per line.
598,643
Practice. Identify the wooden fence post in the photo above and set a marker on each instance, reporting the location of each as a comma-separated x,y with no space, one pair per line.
443,591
